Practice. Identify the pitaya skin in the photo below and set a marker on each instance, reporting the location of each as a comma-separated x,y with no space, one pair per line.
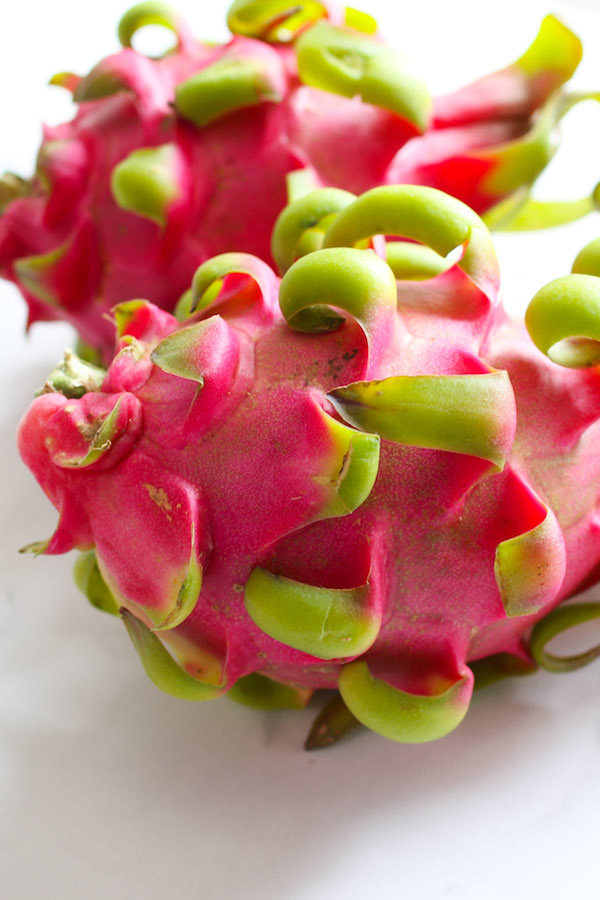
169,162
337,479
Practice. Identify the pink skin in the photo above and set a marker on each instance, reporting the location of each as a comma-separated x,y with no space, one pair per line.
233,471
231,173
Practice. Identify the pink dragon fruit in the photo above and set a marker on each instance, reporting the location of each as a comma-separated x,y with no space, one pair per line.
337,480
168,162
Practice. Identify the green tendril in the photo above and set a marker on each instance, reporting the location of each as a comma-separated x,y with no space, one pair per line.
557,621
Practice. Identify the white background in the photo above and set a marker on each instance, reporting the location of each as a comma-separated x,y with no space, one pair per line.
109,789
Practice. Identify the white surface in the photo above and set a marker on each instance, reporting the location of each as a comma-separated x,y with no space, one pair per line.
110,789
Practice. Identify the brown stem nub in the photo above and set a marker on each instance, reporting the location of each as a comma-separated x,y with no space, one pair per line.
332,724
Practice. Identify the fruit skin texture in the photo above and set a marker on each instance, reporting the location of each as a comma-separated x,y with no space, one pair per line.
169,162
334,479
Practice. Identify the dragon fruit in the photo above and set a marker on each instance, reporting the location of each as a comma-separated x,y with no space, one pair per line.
168,162
347,478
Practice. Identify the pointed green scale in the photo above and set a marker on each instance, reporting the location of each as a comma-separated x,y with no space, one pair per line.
515,166
160,666
325,622
526,565
348,63
532,215
90,582
222,87
259,692
66,80
520,161
561,619
187,597
422,214
308,212
563,320
460,413
145,182
399,715
35,273
101,81
356,281
555,47
354,470
175,353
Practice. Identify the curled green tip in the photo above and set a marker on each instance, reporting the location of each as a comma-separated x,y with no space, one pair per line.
356,281
399,715
160,666
146,183
587,261
422,214
327,623
276,21
208,278
221,88
332,724
351,64
561,619
312,212
149,13
563,320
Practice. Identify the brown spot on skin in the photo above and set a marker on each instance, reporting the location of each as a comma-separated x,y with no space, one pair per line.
160,497
89,430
